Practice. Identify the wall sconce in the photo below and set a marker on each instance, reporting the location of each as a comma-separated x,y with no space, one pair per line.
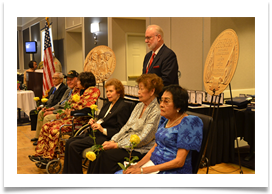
94,30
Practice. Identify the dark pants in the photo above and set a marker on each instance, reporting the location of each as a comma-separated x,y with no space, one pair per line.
73,152
107,161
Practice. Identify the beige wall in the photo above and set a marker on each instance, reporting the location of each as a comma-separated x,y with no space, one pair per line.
120,27
74,51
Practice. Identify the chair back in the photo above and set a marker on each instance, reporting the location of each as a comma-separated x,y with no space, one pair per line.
207,123
131,104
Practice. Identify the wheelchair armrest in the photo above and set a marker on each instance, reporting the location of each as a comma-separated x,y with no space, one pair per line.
79,114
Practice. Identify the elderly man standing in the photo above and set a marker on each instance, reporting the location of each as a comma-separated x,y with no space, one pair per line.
160,60
54,96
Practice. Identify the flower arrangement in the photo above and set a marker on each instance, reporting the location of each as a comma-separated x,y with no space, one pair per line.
134,141
96,147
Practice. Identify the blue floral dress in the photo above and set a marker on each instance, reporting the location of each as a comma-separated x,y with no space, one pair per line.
187,135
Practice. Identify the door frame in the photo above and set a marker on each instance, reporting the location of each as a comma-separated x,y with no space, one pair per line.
126,50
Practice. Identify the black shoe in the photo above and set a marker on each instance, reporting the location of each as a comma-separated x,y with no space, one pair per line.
35,158
35,143
34,139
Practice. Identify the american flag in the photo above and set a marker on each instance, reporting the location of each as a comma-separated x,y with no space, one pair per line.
48,66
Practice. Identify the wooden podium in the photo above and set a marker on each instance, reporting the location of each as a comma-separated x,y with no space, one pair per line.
35,83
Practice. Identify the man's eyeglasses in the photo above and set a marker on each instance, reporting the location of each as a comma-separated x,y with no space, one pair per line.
55,78
149,37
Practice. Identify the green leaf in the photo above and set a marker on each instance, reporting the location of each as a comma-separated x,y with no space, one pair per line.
92,137
67,105
126,158
134,158
122,166
59,111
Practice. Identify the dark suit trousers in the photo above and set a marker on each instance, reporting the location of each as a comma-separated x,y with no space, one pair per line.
73,152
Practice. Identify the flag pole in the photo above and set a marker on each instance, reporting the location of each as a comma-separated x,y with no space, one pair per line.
47,20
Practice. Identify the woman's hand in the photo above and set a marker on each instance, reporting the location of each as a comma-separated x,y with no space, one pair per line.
108,145
97,126
133,169
91,121
68,112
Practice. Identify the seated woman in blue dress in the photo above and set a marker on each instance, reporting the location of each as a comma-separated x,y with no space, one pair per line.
177,134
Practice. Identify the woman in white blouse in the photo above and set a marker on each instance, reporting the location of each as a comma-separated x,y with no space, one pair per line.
143,122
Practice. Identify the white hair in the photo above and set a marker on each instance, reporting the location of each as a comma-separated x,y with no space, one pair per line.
60,75
157,28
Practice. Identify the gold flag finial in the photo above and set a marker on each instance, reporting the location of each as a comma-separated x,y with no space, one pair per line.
47,19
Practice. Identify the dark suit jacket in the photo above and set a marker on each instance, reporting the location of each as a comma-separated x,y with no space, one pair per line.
116,118
164,65
114,121
57,95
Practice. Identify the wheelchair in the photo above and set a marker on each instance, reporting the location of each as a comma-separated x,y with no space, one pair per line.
54,166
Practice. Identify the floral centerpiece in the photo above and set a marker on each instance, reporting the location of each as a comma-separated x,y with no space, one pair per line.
134,141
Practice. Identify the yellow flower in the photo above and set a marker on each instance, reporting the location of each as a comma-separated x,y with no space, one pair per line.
36,98
44,100
76,98
135,139
94,107
91,155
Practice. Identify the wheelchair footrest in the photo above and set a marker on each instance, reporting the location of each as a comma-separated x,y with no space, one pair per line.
41,165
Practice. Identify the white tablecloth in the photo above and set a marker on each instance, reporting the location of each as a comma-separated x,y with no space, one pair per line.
25,101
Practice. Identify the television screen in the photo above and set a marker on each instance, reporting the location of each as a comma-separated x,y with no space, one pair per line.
31,47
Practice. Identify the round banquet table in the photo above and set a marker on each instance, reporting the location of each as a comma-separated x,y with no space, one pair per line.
25,101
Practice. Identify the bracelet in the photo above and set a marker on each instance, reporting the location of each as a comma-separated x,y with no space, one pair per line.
142,172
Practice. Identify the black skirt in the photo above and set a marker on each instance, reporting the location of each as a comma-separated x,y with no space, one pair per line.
107,161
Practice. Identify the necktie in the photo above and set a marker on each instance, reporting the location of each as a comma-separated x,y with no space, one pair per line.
67,97
150,62
54,90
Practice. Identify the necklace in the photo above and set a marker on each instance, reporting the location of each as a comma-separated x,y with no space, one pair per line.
174,121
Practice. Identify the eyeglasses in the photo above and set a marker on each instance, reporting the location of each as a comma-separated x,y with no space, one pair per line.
165,101
149,37
55,78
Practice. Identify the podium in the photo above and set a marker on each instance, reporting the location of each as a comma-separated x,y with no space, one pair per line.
35,83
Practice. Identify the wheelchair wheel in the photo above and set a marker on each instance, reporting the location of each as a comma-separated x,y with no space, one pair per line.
53,167
82,130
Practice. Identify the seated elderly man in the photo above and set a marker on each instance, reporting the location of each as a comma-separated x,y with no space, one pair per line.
54,96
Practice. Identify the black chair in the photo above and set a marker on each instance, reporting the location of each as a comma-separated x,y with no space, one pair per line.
198,158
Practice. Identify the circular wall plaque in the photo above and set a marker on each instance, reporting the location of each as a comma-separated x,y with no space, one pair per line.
221,62
101,62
